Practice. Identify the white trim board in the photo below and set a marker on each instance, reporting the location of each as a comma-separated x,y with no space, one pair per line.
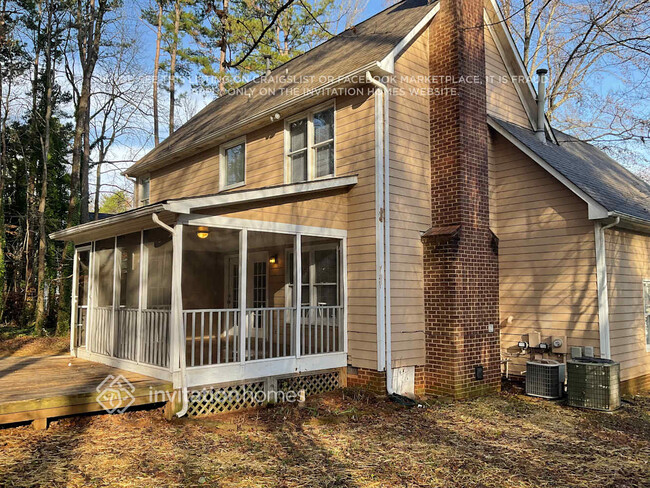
388,63
189,205
596,210
125,364
222,373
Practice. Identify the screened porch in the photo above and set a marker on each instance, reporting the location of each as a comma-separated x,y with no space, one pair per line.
220,302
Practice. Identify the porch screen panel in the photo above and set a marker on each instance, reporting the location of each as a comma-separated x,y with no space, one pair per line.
322,309
127,296
101,335
156,298
210,282
270,315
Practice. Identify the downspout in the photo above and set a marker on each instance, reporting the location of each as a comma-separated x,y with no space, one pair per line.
603,294
383,167
183,365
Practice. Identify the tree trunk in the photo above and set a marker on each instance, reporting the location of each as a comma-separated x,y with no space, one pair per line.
172,65
45,148
156,67
224,46
85,168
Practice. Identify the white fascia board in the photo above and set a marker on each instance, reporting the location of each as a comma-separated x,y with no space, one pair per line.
596,210
105,222
388,63
190,205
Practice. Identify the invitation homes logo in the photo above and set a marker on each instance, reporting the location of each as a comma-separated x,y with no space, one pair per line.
115,394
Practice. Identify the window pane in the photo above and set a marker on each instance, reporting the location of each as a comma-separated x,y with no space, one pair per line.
299,166
298,137
324,125
304,297
325,160
144,198
235,162
327,295
326,266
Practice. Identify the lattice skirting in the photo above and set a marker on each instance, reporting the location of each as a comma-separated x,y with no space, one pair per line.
228,398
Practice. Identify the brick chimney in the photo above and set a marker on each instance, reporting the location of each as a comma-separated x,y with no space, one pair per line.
460,262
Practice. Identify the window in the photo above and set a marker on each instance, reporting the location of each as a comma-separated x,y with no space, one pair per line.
232,167
310,145
646,311
320,276
144,191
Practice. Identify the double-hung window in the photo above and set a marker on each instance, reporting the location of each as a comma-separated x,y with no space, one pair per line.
232,166
310,145
646,312
144,191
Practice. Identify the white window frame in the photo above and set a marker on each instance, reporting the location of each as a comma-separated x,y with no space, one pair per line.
311,160
223,167
646,314
141,182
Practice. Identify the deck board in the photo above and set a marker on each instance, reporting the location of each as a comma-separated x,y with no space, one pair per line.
34,388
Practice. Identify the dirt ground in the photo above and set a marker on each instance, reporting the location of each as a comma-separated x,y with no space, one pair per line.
343,439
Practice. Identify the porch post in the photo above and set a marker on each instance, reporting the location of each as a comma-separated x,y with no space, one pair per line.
297,256
90,314
176,325
115,305
138,330
75,300
243,260
344,281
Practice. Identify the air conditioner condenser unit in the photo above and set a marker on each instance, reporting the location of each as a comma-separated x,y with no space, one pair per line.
545,379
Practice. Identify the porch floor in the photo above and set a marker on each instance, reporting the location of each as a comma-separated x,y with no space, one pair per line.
40,388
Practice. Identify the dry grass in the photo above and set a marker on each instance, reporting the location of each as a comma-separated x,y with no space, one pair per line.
343,439
34,346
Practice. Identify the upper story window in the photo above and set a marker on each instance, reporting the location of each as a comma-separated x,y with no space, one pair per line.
309,145
232,166
143,193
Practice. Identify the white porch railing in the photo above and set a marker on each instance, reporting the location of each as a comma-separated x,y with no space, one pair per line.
321,329
119,338
270,332
155,337
211,336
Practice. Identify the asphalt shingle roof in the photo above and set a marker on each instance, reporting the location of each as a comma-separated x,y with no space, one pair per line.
590,169
357,47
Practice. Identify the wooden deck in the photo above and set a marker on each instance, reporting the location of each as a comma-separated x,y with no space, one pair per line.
40,388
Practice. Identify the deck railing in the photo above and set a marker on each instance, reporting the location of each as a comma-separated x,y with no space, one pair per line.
270,332
321,329
115,334
211,336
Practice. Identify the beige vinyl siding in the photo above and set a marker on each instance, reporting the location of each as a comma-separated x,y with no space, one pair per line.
410,200
628,264
502,98
353,211
547,263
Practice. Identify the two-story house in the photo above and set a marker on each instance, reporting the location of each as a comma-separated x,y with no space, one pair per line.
390,209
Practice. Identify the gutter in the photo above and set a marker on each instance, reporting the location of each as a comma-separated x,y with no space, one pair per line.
601,280
382,204
176,300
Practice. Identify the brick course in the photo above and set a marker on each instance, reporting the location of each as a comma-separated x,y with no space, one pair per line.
461,289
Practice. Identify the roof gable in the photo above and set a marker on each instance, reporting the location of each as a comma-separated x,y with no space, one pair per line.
594,173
